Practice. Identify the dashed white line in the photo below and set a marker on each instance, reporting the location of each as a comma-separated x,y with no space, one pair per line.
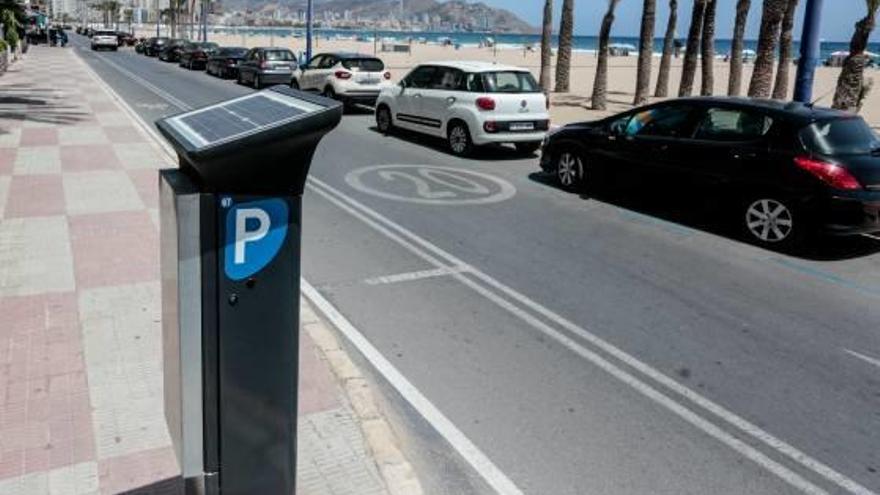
859,355
412,276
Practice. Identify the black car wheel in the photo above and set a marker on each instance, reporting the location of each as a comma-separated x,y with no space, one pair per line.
294,84
570,169
329,93
383,119
773,221
459,139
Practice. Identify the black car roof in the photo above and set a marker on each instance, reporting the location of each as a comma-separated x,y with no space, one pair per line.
784,109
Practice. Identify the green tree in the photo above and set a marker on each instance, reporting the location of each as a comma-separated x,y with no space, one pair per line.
11,23
851,82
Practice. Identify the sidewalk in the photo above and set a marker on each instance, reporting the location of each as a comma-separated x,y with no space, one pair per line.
80,333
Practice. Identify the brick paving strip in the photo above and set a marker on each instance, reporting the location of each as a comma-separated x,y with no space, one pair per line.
80,331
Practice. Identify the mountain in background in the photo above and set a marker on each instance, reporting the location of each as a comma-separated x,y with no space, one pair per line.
463,15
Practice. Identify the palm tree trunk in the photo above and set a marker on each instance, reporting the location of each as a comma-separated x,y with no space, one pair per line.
851,79
734,84
662,90
600,84
707,50
546,49
690,54
646,52
780,89
563,55
771,23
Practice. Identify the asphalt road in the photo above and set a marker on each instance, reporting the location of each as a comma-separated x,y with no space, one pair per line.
584,345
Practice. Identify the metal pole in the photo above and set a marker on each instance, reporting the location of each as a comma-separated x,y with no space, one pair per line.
810,45
309,11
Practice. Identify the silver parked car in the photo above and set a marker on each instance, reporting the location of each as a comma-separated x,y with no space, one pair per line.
267,66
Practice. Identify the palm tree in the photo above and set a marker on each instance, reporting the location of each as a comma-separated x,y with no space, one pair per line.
600,84
734,84
546,50
646,52
707,50
850,83
771,23
662,90
689,69
780,89
563,55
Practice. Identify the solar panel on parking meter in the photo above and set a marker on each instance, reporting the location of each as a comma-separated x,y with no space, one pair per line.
230,269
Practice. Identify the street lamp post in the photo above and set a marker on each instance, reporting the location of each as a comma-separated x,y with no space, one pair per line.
309,10
810,45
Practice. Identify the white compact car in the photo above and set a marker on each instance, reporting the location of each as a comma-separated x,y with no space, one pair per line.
469,104
349,77
105,40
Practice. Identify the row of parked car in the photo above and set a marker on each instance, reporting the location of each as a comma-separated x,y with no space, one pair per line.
122,38
785,170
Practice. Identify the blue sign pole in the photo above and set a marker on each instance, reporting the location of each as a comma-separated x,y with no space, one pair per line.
810,41
309,31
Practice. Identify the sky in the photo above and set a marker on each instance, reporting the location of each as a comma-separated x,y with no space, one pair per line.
838,16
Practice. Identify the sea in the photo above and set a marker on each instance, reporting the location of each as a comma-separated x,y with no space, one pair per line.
505,41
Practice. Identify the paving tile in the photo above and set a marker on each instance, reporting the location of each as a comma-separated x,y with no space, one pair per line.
78,479
9,137
35,256
34,196
85,157
7,160
113,119
122,344
99,192
318,389
42,160
114,248
124,134
141,470
4,194
100,106
82,135
146,181
47,136
138,156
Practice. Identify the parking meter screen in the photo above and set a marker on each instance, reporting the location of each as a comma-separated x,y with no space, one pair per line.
240,117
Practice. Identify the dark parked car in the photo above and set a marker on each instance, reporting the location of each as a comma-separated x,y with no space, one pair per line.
785,169
266,66
195,55
224,61
154,46
139,45
125,39
171,51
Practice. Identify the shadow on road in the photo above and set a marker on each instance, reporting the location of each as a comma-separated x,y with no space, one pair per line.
709,216
170,486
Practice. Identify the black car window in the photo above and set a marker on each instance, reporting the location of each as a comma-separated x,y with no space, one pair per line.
253,55
723,124
474,82
847,136
663,121
329,61
363,64
421,77
448,79
618,126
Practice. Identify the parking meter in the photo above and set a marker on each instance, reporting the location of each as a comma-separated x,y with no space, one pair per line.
230,234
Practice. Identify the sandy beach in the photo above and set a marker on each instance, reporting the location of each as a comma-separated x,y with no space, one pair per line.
565,107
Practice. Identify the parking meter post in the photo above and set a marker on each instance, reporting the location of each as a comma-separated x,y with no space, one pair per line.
231,224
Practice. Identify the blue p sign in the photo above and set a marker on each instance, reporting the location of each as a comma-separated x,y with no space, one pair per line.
255,232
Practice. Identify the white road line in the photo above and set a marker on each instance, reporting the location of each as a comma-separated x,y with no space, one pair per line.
412,276
867,359
383,224
470,452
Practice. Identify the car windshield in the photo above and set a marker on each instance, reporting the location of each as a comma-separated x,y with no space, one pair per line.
509,82
364,64
849,136
279,55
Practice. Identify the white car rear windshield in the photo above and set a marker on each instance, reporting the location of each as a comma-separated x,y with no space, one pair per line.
509,82
363,64
279,55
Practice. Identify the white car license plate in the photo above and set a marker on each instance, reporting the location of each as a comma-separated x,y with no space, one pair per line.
368,80
522,126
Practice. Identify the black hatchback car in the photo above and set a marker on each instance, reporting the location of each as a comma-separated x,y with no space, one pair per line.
154,46
195,55
224,61
172,50
785,169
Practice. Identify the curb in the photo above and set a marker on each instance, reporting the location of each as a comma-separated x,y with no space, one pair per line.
399,476
397,473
